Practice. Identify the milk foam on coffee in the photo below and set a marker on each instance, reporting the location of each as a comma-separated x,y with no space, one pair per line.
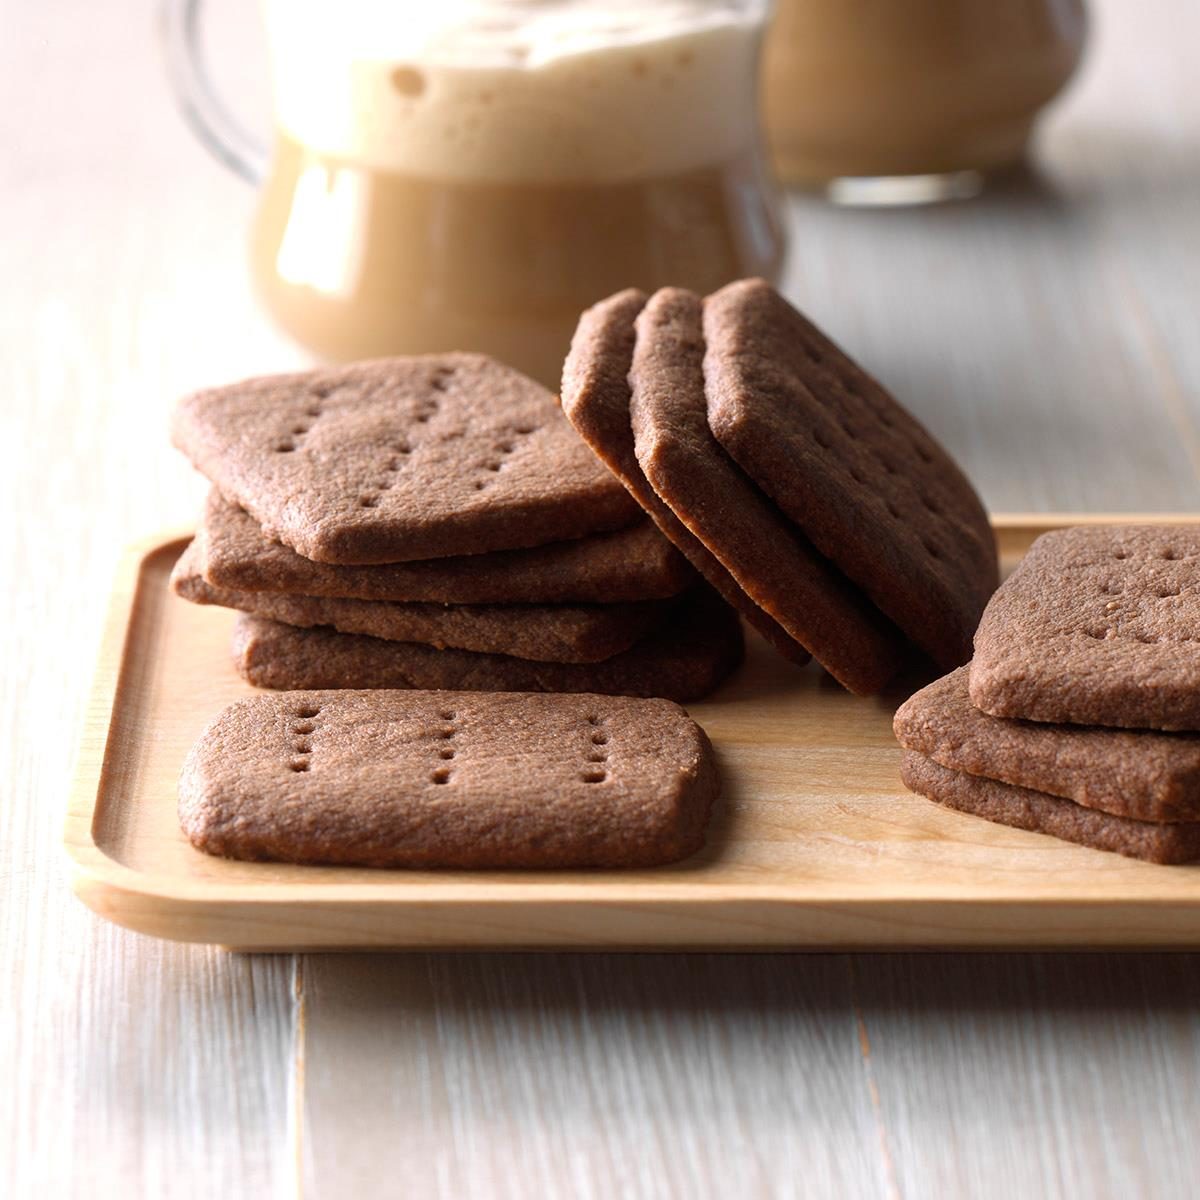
506,91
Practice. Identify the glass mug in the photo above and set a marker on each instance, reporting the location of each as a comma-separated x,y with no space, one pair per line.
882,101
471,174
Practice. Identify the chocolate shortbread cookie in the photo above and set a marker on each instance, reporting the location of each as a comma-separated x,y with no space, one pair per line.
686,659
635,563
449,779
864,481
767,556
401,459
595,397
1097,626
566,633
1143,774
1024,808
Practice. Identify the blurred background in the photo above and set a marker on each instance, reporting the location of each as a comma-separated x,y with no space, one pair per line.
1016,317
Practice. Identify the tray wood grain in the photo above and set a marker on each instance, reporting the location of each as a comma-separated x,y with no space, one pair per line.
814,845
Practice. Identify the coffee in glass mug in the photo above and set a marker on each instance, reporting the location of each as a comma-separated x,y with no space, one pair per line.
470,174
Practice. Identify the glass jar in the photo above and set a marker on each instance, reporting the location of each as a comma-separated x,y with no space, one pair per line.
471,174
912,99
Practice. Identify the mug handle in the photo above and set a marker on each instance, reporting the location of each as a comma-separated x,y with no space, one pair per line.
201,107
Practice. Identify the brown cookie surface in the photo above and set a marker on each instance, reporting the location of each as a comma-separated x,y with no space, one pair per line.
449,779
694,651
401,459
567,633
763,551
1143,774
1098,625
595,397
635,563
1024,808
863,480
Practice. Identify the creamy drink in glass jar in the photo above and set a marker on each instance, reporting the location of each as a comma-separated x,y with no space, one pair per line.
894,101
471,174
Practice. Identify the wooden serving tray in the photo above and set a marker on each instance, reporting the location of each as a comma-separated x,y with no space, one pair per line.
814,844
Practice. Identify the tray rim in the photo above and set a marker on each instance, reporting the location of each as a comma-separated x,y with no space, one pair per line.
125,895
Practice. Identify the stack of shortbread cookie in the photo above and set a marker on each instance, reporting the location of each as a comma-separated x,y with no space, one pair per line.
435,523
811,500
1079,715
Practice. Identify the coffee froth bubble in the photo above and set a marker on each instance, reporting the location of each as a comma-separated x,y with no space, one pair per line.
518,91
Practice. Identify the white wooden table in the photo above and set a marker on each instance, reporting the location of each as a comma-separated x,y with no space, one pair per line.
1049,332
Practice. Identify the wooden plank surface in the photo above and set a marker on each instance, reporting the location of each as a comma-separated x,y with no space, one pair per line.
591,1076
131,1067
1047,332
701,1076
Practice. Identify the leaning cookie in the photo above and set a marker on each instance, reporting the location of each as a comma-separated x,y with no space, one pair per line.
685,659
1097,626
852,468
1024,808
449,779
